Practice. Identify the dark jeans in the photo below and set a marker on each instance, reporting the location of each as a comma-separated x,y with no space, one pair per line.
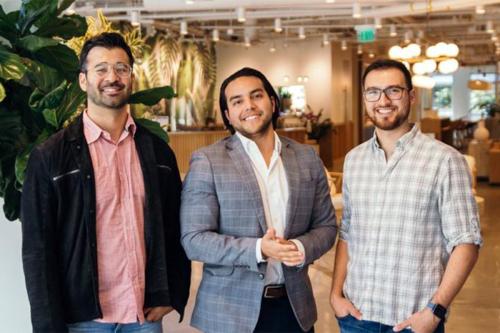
276,315
349,324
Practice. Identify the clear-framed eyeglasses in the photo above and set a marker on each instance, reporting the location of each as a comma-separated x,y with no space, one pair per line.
121,69
393,93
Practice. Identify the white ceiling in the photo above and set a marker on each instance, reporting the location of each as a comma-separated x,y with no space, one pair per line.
434,20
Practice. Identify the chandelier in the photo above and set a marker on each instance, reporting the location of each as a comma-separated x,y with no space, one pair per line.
441,57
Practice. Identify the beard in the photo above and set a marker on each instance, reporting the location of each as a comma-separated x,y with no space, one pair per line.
392,122
111,102
253,132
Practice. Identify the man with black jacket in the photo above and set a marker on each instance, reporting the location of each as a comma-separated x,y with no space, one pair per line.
100,213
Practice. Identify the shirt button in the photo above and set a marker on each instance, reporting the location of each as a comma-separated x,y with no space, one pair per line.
88,176
261,276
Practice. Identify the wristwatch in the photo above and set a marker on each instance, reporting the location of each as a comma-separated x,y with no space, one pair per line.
437,309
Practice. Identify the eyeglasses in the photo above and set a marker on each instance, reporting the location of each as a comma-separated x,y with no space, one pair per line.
392,92
121,69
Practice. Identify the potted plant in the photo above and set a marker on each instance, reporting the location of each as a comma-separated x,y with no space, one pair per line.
39,91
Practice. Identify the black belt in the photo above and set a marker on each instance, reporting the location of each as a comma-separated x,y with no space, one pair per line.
274,291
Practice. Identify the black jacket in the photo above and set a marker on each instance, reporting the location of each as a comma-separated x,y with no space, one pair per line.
59,230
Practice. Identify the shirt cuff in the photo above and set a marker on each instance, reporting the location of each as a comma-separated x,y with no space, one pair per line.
258,251
301,248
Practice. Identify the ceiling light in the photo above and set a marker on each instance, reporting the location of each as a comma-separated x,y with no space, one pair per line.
240,14
183,28
408,36
430,65
494,38
272,49
419,68
134,18
393,32
189,2
329,1
326,40
489,27
360,49
302,33
356,10
448,66
247,41
395,52
480,10
414,50
423,81
230,32
371,55
343,45
277,25
215,35
479,85
378,23
452,50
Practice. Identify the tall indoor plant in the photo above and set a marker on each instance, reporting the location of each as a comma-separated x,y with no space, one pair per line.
39,90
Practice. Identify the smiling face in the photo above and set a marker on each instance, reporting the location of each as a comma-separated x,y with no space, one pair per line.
109,88
387,114
249,107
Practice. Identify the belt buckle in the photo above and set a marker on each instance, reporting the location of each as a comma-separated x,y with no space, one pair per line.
269,288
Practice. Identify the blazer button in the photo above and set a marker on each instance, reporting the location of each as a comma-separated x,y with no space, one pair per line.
88,176
261,276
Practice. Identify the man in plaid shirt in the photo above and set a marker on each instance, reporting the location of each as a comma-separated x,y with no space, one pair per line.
410,230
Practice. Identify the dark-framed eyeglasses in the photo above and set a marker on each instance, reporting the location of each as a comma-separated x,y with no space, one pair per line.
121,69
393,93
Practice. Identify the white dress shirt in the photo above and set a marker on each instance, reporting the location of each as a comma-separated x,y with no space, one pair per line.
274,191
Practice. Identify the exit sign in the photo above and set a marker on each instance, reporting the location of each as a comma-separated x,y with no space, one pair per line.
366,33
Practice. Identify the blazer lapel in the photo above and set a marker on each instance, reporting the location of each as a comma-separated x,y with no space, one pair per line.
243,164
292,170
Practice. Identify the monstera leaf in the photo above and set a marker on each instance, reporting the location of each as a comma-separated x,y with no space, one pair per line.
152,96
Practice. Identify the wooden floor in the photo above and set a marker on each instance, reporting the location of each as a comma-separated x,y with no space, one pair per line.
475,310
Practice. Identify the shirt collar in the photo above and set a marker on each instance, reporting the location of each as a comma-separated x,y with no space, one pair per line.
93,131
402,141
248,144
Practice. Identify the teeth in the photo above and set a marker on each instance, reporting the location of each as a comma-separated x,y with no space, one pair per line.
251,118
384,111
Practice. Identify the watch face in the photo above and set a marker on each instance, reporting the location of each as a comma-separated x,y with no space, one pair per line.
439,311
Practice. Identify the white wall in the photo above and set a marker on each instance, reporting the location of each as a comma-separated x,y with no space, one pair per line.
14,306
298,59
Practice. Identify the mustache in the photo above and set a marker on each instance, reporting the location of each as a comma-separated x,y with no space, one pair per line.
115,84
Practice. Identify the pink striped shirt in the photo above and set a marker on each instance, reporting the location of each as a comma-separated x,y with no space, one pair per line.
121,252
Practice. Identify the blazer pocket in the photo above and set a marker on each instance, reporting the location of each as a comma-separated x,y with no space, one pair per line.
218,270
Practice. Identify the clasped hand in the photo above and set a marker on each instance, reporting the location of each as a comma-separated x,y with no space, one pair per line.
280,249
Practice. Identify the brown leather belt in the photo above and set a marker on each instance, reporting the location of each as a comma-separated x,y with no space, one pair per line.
274,291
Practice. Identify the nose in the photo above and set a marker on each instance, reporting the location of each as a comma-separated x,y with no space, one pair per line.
111,75
384,100
248,104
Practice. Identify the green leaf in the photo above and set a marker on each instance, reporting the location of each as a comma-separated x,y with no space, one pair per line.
23,157
73,98
31,11
10,130
33,43
11,65
2,92
42,76
61,58
7,26
65,27
38,100
154,127
50,116
152,96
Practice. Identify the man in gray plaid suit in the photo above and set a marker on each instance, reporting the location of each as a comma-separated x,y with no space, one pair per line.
256,211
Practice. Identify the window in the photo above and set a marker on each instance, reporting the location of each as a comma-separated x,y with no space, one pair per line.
442,95
478,98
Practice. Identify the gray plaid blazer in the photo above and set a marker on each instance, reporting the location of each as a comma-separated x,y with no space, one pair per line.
222,216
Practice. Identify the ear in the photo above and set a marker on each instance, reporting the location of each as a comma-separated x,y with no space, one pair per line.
273,103
227,116
82,80
412,96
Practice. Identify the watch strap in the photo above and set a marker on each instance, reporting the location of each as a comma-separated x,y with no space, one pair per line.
438,310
